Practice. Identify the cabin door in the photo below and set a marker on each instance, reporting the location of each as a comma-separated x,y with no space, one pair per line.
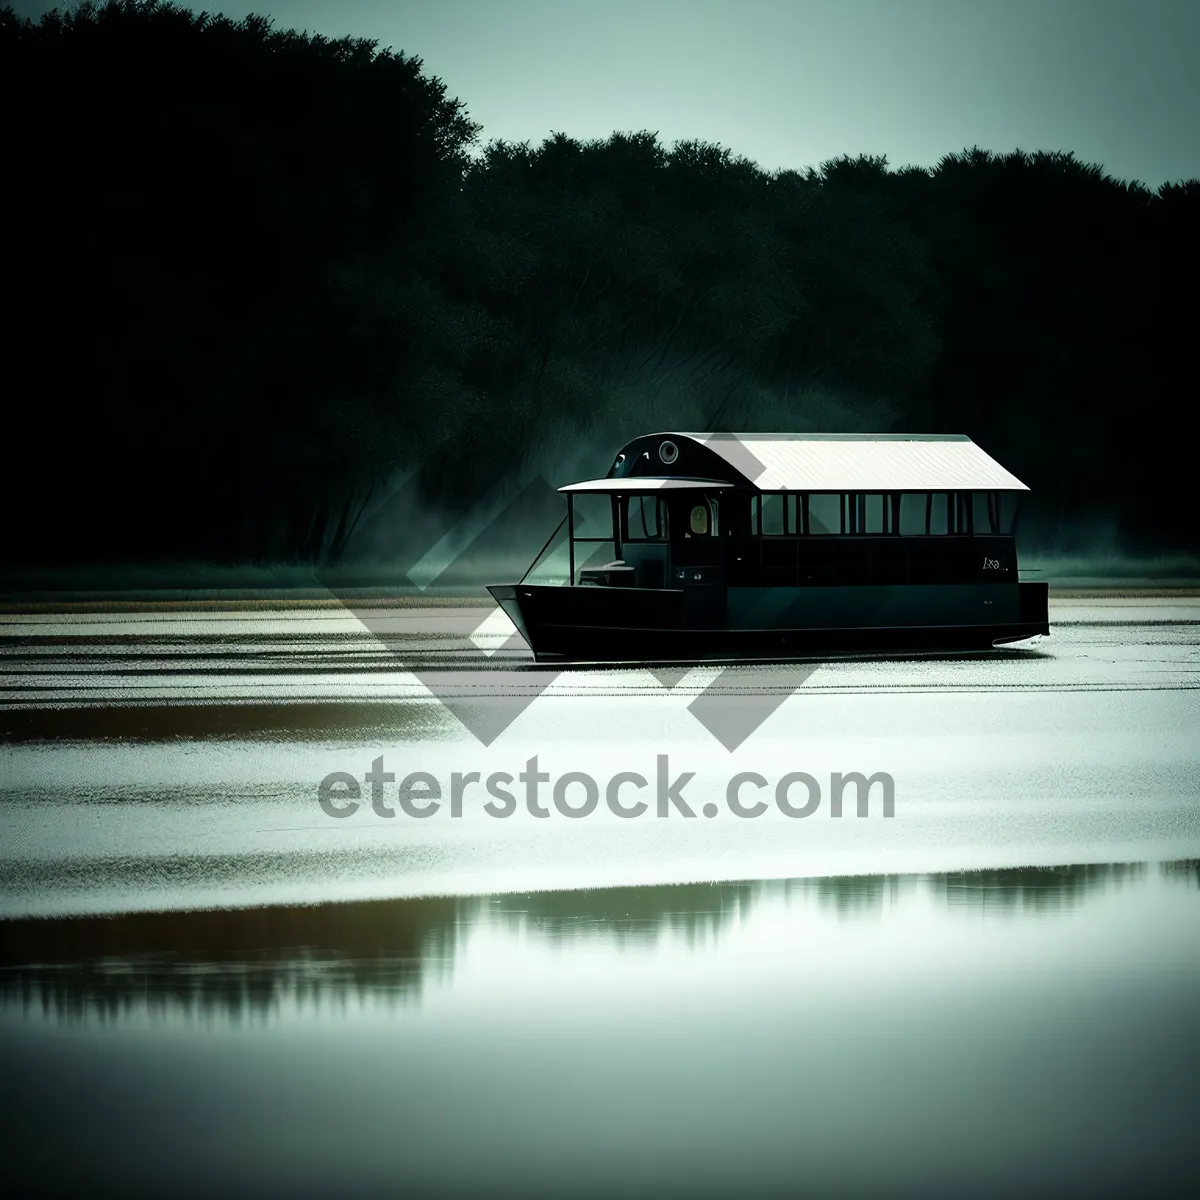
698,560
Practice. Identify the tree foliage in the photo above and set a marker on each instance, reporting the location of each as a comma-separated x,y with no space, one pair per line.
250,274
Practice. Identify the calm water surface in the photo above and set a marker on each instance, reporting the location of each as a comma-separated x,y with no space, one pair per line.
982,1032
207,986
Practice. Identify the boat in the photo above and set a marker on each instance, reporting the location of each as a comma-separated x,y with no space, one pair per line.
719,546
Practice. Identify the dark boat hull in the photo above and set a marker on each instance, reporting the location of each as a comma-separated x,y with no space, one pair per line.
610,624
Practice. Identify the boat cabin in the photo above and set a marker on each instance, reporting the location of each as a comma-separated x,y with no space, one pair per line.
788,510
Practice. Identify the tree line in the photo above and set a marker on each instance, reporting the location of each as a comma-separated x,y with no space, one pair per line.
254,276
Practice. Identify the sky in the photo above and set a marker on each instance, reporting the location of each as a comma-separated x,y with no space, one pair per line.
792,83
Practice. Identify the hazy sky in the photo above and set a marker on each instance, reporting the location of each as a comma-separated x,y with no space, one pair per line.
790,83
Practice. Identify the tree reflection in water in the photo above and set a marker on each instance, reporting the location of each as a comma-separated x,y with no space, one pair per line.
247,964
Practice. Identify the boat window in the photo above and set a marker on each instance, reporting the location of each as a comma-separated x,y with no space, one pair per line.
910,519
824,513
912,513
866,513
1007,504
962,512
938,513
647,518
986,518
872,511
698,521
770,513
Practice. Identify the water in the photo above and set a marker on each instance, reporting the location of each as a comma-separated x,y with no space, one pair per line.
149,762
989,1033
209,985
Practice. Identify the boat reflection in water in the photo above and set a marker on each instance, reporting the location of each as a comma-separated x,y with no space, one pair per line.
1003,1030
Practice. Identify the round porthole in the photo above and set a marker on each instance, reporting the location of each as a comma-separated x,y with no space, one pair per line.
668,452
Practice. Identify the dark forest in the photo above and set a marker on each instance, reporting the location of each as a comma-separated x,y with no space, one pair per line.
252,277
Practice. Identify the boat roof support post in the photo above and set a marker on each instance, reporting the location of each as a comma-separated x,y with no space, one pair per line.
571,535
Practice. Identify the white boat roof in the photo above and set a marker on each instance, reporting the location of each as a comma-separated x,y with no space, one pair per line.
643,483
859,462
